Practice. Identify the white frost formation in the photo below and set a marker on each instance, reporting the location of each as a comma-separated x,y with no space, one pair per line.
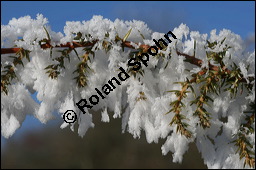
138,116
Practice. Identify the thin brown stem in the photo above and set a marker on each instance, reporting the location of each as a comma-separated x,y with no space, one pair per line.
191,59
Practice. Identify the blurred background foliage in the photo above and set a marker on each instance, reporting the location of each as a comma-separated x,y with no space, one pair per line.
102,147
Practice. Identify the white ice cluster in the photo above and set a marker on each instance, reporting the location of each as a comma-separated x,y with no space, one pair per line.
138,116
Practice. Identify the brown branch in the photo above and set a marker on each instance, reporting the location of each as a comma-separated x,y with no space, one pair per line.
191,59
9,50
47,45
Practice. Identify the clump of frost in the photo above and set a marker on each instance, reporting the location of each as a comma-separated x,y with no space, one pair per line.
14,108
139,112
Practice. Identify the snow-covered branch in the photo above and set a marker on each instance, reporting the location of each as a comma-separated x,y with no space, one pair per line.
196,89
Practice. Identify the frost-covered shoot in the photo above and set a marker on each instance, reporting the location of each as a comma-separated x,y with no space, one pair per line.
205,84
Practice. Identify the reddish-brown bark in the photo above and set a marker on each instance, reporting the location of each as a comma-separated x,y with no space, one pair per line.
191,59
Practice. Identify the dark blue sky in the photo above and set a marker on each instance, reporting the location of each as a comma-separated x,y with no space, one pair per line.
160,16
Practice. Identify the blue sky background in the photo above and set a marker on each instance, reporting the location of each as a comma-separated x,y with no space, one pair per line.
162,16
